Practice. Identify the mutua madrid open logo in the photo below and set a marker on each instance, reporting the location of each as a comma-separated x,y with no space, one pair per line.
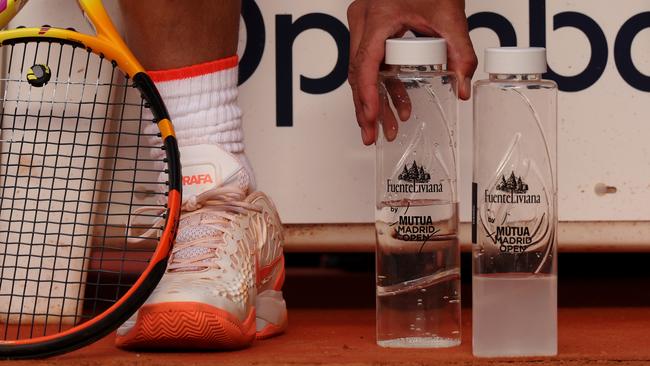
415,180
514,191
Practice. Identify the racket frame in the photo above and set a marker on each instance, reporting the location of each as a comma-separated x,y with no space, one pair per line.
108,44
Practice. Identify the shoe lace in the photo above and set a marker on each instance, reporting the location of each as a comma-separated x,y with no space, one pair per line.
224,205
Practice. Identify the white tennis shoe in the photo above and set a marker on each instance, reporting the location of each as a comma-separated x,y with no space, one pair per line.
222,287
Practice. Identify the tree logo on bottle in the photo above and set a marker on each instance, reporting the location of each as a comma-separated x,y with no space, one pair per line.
415,174
413,180
513,184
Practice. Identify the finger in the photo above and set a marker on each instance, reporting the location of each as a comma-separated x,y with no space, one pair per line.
388,121
358,110
460,52
463,62
356,22
400,98
369,56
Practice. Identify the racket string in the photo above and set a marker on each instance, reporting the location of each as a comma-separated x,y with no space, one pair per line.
76,164
11,298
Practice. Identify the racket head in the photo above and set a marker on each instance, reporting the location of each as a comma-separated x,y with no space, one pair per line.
94,128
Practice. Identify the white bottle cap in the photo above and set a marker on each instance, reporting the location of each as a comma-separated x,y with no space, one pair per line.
515,60
416,51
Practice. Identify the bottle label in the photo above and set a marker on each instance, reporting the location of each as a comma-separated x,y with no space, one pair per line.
514,216
413,179
416,205
418,228
413,224
511,191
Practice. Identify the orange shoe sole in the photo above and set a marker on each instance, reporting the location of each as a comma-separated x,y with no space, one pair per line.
272,330
188,326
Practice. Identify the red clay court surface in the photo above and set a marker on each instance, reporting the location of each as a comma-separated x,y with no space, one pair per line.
603,320
588,336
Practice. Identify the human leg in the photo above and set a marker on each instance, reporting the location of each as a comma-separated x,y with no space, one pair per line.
222,286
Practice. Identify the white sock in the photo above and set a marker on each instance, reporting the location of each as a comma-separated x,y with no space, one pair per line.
202,103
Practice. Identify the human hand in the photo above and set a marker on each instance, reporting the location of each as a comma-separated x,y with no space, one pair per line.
372,22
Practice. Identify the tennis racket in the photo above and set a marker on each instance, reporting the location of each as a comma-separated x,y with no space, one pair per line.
89,185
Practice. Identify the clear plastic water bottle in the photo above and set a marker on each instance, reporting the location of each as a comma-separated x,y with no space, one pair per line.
418,277
514,221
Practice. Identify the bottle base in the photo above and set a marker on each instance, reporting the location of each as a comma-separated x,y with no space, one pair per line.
549,353
514,315
419,342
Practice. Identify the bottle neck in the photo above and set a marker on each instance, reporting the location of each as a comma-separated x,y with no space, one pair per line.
515,77
418,68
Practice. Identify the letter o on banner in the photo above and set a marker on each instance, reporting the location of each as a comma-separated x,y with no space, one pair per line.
623,51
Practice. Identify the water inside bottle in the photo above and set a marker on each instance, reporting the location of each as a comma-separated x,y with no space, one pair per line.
418,274
515,314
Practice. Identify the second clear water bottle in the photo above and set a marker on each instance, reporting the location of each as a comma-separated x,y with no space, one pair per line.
418,276
515,207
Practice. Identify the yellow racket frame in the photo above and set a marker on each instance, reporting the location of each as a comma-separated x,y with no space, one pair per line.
106,39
